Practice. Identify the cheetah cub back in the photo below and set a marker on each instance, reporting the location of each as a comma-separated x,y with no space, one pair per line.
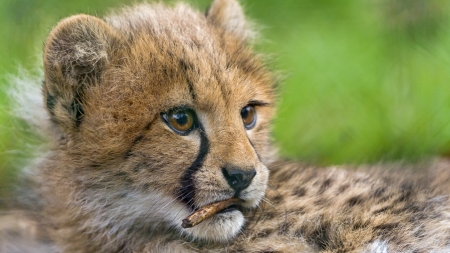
159,111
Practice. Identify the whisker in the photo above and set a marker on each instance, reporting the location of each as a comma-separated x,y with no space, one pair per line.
282,198
266,200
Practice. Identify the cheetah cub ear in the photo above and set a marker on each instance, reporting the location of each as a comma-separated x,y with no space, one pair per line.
229,15
76,53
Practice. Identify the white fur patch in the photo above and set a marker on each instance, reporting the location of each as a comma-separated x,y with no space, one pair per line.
378,247
26,99
219,228
149,211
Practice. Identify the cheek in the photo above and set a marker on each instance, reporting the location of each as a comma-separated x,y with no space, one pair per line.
262,144
264,180
159,160
259,182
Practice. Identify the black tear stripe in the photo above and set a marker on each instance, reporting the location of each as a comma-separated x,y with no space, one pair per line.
186,192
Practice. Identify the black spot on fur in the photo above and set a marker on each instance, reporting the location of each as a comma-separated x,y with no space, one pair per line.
96,165
89,185
298,233
382,210
285,175
122,247
299,210
147,127
299,191
311,176
268,215
185,66
320,202
378,192
419,211
325,185
264,233
407,190
415,208
343,188
320,236
191,90
355,200
122,195
283,229
124,177
359,225
228,65
386,227
277,199
121,174
420,232
137,140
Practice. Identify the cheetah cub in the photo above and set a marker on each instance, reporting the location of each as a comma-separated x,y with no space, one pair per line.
157,112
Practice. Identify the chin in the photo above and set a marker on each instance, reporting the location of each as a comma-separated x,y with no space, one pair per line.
219,228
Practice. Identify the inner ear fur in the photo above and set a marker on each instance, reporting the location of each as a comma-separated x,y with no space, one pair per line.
76,53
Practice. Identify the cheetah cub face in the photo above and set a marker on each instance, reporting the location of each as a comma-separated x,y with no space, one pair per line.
160,112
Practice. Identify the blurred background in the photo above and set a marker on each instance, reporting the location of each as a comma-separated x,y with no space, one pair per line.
363,80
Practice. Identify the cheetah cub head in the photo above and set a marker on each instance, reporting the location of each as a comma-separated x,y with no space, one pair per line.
159,111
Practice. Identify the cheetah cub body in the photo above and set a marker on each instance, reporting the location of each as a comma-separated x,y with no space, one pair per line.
157,111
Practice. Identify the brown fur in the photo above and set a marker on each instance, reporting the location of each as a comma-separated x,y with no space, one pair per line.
120,180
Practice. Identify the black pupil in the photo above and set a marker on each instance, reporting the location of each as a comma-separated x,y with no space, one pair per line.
245,111
181,118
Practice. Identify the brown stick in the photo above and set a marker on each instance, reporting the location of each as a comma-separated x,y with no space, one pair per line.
207,211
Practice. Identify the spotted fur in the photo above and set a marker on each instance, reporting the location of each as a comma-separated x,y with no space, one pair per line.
119,179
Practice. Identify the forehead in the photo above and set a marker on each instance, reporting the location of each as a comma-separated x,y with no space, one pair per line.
217,71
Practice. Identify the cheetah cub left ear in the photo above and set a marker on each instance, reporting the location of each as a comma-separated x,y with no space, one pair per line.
77,52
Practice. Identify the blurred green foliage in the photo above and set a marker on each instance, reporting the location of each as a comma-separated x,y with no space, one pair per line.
363,80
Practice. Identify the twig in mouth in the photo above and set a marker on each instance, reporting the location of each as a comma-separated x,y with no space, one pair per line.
207,211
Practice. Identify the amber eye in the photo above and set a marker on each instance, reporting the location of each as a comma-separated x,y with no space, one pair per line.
180,120
248,114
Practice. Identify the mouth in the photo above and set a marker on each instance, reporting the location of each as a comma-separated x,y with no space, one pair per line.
204,212
230,209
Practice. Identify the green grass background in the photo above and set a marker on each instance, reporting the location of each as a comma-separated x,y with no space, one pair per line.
363,80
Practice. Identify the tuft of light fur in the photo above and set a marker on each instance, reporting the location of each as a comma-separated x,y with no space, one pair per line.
27,103
378,247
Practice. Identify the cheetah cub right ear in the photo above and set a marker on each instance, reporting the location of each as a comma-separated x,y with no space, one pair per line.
229,15
76,53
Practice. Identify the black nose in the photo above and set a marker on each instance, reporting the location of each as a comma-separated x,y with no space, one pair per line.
238,179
